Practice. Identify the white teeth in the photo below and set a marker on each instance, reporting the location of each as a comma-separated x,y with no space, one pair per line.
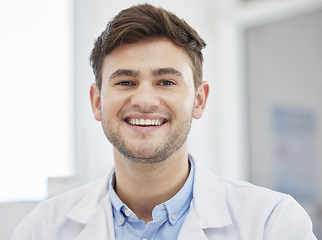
145,122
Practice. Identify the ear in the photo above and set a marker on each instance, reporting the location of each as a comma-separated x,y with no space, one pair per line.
95,101
201,99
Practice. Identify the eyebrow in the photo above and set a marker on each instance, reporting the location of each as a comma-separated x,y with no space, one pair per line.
124,72
155,73
165,71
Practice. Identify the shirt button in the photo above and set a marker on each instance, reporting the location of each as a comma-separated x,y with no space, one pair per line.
127,212
144,239
174,216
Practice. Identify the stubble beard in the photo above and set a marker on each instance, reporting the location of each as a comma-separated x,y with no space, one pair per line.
149,153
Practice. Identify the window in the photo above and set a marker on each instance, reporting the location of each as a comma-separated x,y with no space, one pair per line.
36,98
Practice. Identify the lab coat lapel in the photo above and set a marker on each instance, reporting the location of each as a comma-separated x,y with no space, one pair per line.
95,212
100,226
191,228
208,208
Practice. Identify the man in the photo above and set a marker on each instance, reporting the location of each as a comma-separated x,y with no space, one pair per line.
148,70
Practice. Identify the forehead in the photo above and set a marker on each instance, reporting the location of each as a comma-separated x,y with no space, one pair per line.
148,54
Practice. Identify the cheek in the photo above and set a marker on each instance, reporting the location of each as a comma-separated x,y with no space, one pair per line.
181,104
111,104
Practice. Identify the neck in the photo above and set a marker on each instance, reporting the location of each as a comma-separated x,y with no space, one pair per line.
142,186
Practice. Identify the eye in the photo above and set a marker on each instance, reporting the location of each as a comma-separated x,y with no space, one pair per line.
125,83
166,83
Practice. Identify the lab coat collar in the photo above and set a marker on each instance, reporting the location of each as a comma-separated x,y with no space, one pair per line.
85,209
95,212
100,223
208,209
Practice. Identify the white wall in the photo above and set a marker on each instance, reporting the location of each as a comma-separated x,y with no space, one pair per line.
36,100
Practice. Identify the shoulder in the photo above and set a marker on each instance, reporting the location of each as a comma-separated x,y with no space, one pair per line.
245,200
245,191
252,200
254,210
279,215
51,215
232,191
62,203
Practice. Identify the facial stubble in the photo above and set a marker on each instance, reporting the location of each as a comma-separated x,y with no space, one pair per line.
149,154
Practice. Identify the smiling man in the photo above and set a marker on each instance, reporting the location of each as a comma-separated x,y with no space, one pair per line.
147,100
148,69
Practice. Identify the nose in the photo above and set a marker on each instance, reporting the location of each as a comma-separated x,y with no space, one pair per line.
145,97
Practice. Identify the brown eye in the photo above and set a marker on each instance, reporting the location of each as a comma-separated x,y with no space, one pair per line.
166,83
125,83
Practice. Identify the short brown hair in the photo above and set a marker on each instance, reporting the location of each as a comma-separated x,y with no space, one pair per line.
142,21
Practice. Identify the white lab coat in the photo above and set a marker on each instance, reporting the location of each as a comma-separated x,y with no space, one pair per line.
220,209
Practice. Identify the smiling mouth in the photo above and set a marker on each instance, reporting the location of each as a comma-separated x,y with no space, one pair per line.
145,122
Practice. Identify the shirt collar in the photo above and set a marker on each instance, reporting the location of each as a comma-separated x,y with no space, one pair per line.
174,208
178,204
118,206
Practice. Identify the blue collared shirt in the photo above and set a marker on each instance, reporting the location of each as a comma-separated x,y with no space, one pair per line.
168,217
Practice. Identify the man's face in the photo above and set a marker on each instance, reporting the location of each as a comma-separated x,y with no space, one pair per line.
147,99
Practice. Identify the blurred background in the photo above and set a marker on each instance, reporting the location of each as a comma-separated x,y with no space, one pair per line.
263,121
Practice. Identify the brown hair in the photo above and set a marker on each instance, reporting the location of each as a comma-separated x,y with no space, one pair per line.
142,21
